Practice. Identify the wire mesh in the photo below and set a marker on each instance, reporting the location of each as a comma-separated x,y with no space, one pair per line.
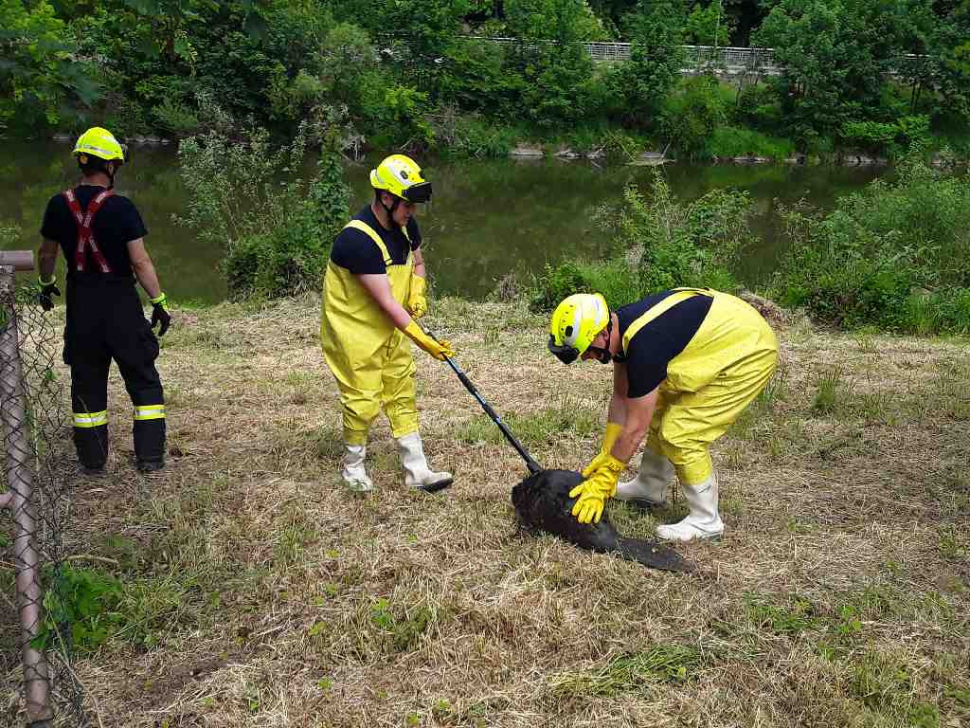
36,529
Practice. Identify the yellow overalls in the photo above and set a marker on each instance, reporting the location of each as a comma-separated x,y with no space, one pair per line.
369,356
722,369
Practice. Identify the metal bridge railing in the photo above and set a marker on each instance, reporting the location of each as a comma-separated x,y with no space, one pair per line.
730,60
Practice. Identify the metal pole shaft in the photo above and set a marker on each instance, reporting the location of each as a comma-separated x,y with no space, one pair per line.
519,448
18,468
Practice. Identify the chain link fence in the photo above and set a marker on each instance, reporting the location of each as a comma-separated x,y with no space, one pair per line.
36,630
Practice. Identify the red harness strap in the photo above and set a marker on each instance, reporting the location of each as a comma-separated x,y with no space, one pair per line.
85,236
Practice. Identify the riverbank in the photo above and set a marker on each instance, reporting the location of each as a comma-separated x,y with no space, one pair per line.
258,591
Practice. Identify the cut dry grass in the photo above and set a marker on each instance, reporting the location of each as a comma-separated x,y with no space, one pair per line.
259,592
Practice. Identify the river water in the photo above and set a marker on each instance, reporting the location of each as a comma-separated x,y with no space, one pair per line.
488,218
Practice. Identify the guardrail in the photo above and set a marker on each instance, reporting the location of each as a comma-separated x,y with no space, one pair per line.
725,59
729,60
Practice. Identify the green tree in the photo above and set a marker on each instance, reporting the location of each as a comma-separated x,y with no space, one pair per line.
40,71
834,53
655,30
551,60
947,44
420,35
709,25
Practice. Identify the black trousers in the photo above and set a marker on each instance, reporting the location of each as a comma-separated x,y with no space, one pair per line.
105,322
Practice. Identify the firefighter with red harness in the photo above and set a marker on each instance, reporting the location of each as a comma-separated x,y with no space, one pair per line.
102,236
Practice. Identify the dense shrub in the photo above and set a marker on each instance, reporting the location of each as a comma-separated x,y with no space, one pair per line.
677,244
732,141
641,84
684,244
616,279
890,138
894,255
691,115
759,106
247,196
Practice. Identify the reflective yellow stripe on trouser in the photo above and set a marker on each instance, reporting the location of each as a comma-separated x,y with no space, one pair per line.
86,420
150,412
369,357
725,366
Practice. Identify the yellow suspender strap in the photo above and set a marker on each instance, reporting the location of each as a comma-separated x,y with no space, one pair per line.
372,234
654,312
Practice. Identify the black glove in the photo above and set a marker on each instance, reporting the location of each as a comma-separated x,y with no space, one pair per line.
45,291
160,315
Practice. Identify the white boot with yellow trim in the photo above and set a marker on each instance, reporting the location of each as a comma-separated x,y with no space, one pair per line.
703,521
354,474
417,474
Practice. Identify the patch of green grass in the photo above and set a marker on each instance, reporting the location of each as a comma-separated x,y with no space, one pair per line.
828,395
539,428
216,339
734,457
731,141
876,407
327,442
633,521
951,546
159,607
797,616
291,542
885,685
402,629
673,663
301,385
866,340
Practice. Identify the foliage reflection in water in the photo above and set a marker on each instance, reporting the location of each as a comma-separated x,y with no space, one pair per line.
488,218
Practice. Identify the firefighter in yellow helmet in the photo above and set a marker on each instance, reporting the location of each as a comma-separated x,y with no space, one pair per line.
374,289
686,363
102,237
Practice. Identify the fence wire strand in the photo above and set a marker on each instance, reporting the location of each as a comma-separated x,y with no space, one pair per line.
38,524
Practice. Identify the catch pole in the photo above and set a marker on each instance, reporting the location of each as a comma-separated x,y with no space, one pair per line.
530,463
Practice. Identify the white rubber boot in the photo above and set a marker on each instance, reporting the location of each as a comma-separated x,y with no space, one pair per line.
353,473
650,486
703,520
417,474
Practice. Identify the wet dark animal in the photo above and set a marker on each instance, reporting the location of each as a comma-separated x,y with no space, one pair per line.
542,502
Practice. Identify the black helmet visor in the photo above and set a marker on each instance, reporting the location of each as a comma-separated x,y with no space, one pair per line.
420,192
565,354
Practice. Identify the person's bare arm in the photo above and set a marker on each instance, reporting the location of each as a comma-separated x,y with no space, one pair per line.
639,413
47,259
419,269
379,287
617,412
141,264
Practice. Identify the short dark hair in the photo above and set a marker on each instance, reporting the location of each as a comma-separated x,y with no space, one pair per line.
93,165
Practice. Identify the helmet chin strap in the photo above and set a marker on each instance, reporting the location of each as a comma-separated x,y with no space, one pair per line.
389,210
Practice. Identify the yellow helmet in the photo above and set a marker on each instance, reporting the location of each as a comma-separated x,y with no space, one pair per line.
401,176
100,143
575,323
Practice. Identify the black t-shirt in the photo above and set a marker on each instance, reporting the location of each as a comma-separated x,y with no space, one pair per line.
116,224
654,345
356,251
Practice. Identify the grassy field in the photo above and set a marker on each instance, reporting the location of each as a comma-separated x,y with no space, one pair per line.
257,591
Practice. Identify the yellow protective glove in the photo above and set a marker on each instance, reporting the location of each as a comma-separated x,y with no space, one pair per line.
417,301
610,437
592,493
438,349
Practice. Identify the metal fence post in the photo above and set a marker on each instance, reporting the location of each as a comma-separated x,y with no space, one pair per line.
18,498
